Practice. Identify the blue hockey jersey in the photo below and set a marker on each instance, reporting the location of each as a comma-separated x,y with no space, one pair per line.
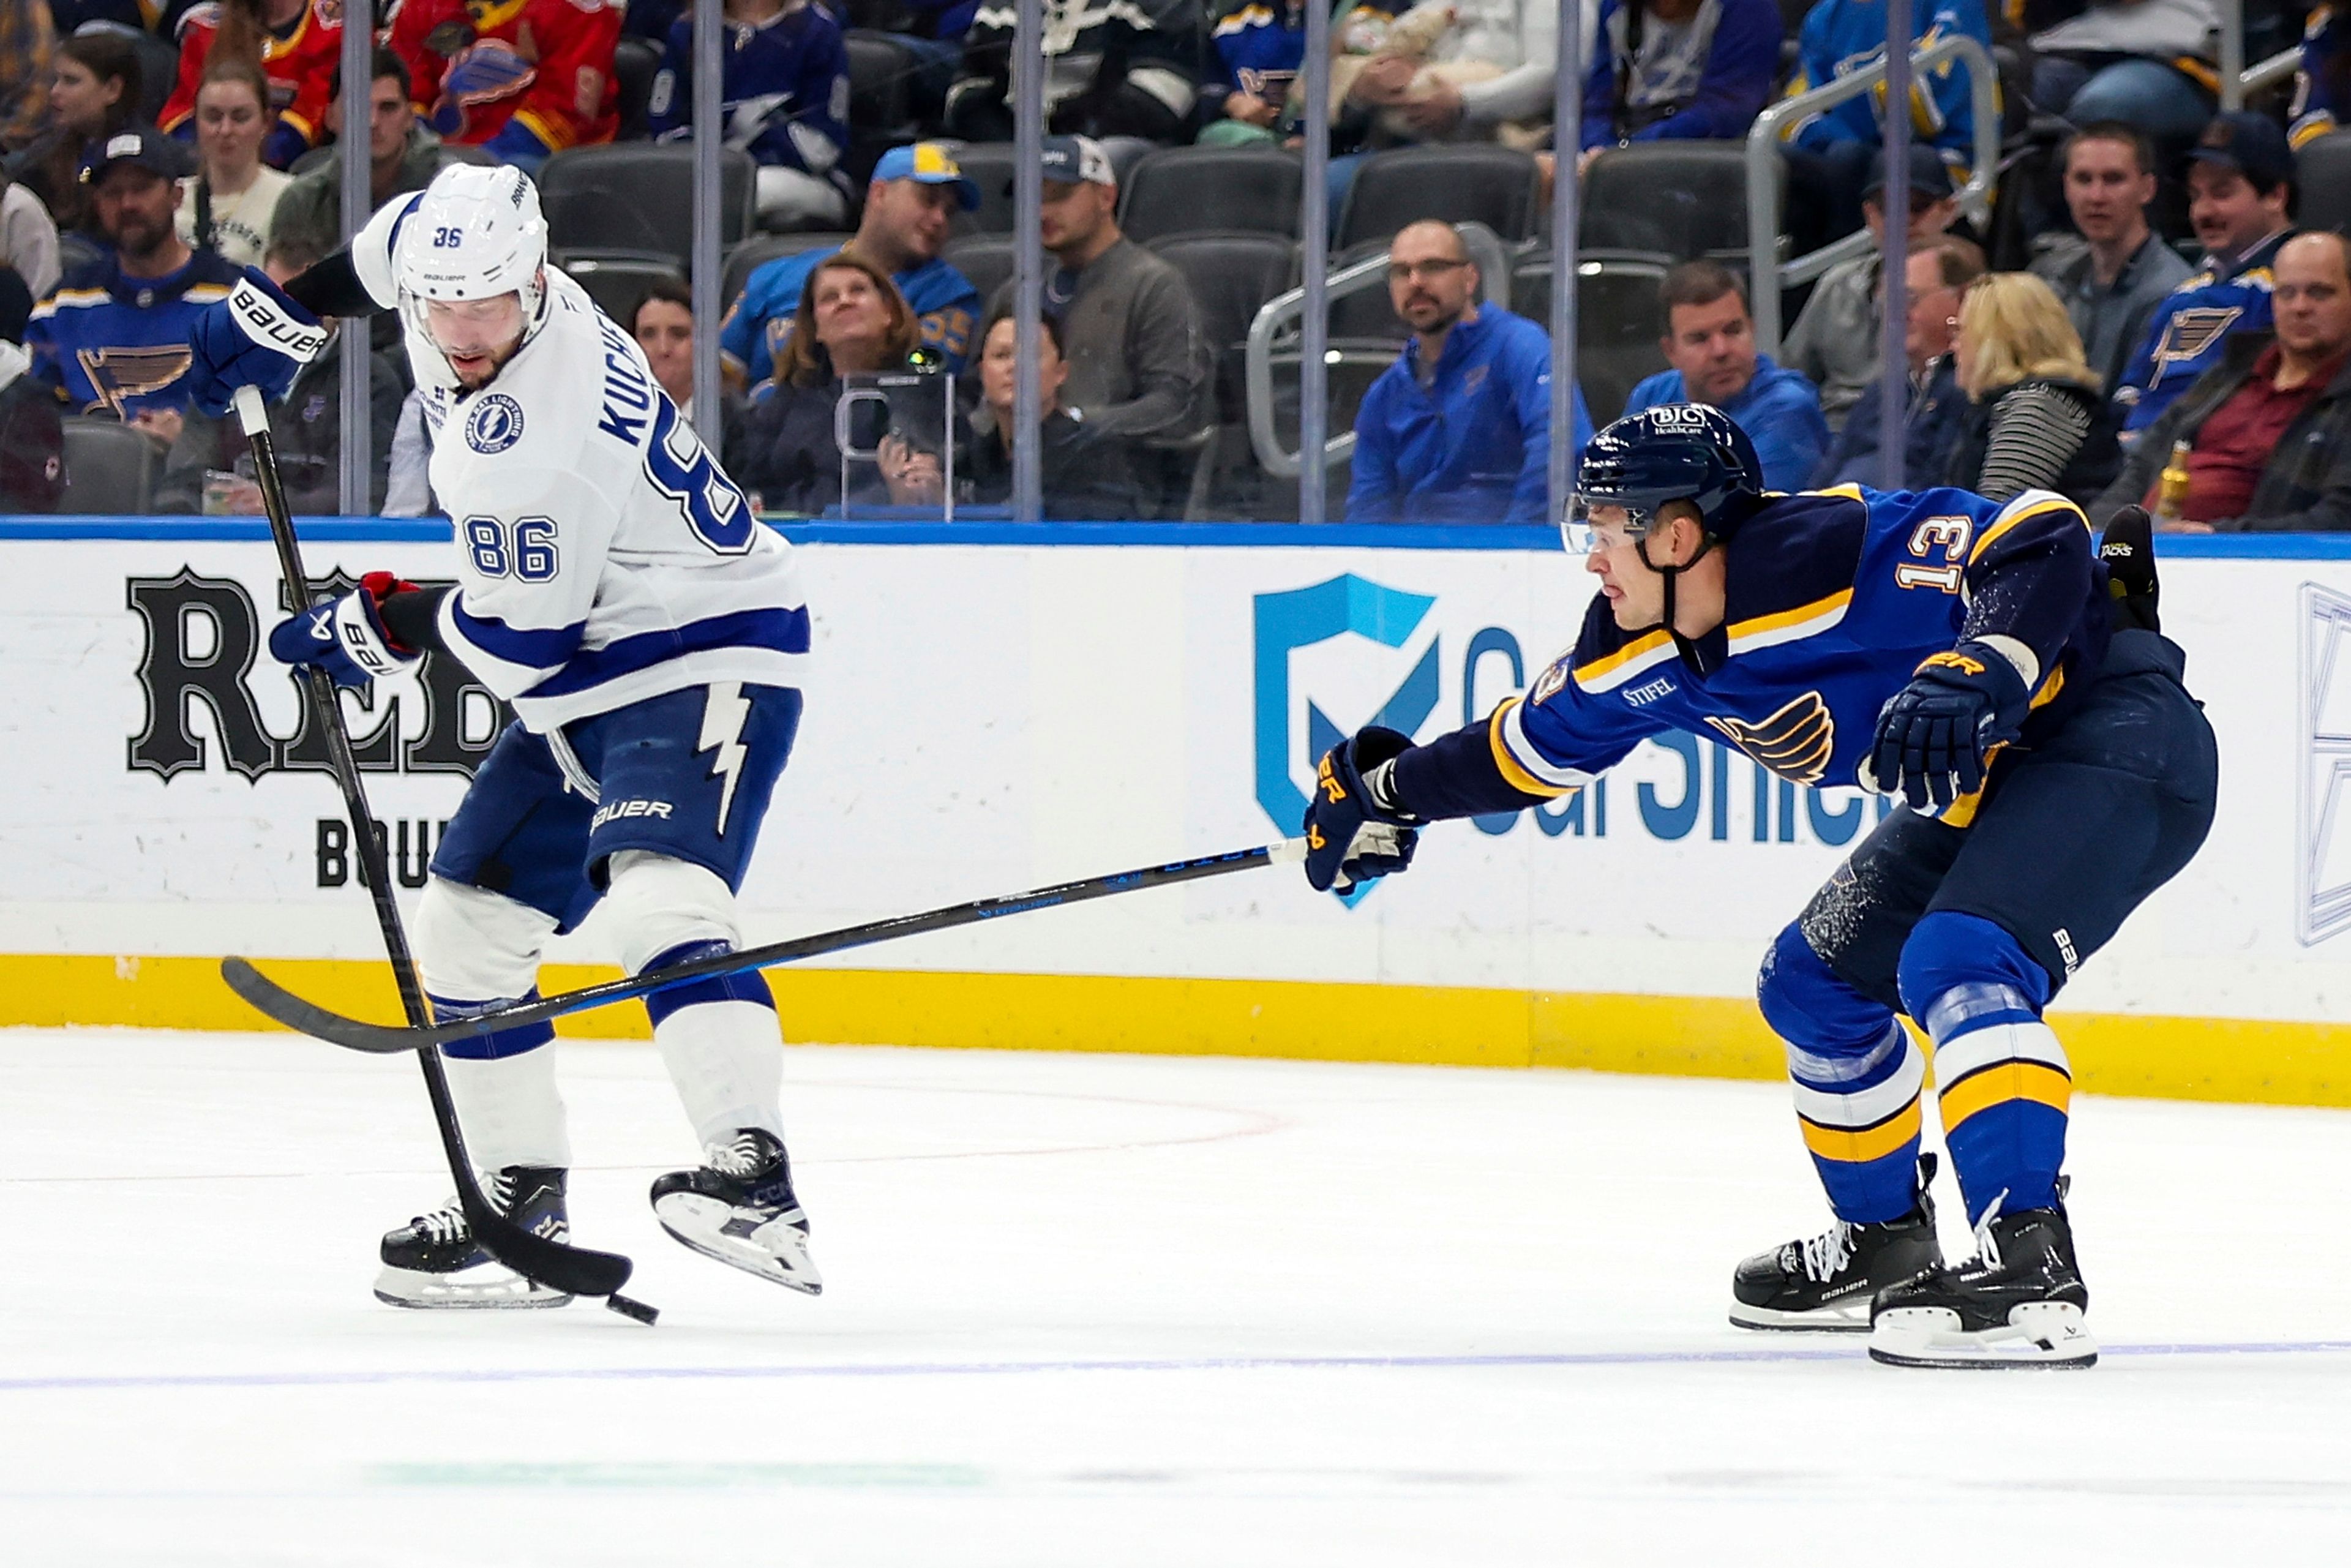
783,92
2320,85
117,345
2184,336
755,332
1841,37
1834,597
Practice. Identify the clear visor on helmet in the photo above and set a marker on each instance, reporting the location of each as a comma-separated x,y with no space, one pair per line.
1598,523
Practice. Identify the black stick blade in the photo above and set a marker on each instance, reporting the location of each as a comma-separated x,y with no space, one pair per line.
274,1002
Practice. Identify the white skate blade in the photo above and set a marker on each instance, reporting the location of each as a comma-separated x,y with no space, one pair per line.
776,1251
2038,1334
484,1286
1846,1317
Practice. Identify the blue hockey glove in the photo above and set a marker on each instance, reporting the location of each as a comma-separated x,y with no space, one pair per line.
346,637
254,338
1349,836
1936,735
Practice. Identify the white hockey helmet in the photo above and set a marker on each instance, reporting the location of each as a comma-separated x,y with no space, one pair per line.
477,234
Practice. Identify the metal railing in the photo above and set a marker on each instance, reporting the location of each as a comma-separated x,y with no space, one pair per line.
1764,165
1284,317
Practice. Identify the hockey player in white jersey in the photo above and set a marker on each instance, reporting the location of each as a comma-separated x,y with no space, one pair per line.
614,587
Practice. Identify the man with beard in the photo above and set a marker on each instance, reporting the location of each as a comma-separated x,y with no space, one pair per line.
113,339
1458,429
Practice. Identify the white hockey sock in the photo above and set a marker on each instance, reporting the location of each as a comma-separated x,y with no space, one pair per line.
510,1110
727,1062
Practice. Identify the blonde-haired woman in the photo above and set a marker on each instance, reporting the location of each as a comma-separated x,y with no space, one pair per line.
2039,419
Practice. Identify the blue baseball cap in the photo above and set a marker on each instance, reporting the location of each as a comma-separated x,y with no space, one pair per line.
1077,161
928,164
144,146
2252,144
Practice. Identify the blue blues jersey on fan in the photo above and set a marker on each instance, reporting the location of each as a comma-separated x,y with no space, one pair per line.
117,345
784,89
1834,597
2183,337
945,306
1841,37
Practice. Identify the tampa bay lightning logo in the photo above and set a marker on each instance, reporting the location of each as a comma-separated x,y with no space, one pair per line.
495,424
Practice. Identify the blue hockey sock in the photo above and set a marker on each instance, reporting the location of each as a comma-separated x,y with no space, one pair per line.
2001,1077
1857,1077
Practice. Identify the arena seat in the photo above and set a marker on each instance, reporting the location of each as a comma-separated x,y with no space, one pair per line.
1618,320
616,282
2323,176
638,197
1469,182
1684,199
635,62
988,165
1201,190
109,467
984,258
159,70
755,253
1231,276
882,71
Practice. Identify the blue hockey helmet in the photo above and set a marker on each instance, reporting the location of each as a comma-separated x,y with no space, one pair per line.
1675,452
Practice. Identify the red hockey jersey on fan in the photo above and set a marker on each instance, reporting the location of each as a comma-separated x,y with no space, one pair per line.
300,67
478,67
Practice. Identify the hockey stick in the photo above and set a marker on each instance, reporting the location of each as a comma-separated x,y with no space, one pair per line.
574,1270
291,1010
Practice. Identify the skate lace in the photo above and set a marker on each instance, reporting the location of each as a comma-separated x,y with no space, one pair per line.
449,1223
1828,1252
739,1159
1987,1244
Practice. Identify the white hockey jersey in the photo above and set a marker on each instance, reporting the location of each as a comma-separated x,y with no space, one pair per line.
604,556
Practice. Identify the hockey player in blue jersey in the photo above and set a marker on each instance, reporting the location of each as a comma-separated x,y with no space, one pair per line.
2056,771
613,585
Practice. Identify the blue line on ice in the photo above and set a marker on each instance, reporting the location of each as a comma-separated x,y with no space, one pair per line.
1852,1351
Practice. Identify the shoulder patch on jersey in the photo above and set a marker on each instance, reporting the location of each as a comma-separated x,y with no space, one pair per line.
495,424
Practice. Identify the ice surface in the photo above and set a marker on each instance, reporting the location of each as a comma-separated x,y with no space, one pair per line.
1098,1310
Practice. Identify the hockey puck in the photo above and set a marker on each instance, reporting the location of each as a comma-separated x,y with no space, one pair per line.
632,1309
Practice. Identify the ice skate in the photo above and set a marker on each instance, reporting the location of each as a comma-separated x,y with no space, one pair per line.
435,1262
1826,1282
739,1208
2019,1301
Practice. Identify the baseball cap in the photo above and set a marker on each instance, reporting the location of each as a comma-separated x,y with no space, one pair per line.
2254,144
928,164
1076,159
1930,176
141,144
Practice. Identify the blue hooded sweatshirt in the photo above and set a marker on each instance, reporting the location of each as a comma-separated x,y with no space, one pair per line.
1474,446
1780,410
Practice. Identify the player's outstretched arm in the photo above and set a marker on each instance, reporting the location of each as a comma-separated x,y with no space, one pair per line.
262,335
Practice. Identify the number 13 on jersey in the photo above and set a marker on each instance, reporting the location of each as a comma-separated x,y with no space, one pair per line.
1944,536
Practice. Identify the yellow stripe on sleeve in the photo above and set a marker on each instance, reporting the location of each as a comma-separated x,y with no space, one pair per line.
1514,772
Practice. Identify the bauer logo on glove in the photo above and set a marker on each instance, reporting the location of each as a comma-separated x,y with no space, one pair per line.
1350,839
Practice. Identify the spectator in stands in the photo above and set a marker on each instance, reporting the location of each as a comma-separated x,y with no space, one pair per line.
662,325
2269,427
94,87
908,205
1087,475
1933,277
231,203
27,38
113,339
783,98
1261,48
2037,417
306,427
1833,344
2147,63
1709,341
2115,276
525,81
402,156
850,321
28,239
294,44
2239,197
1828,152
1458,429
1109,70
1138,366
31,435
1518,41
1667,70
2322,86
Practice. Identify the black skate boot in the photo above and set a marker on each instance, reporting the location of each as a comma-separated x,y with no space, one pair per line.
2128,550
1826,1282
2017,1303
739,1208
435,1262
